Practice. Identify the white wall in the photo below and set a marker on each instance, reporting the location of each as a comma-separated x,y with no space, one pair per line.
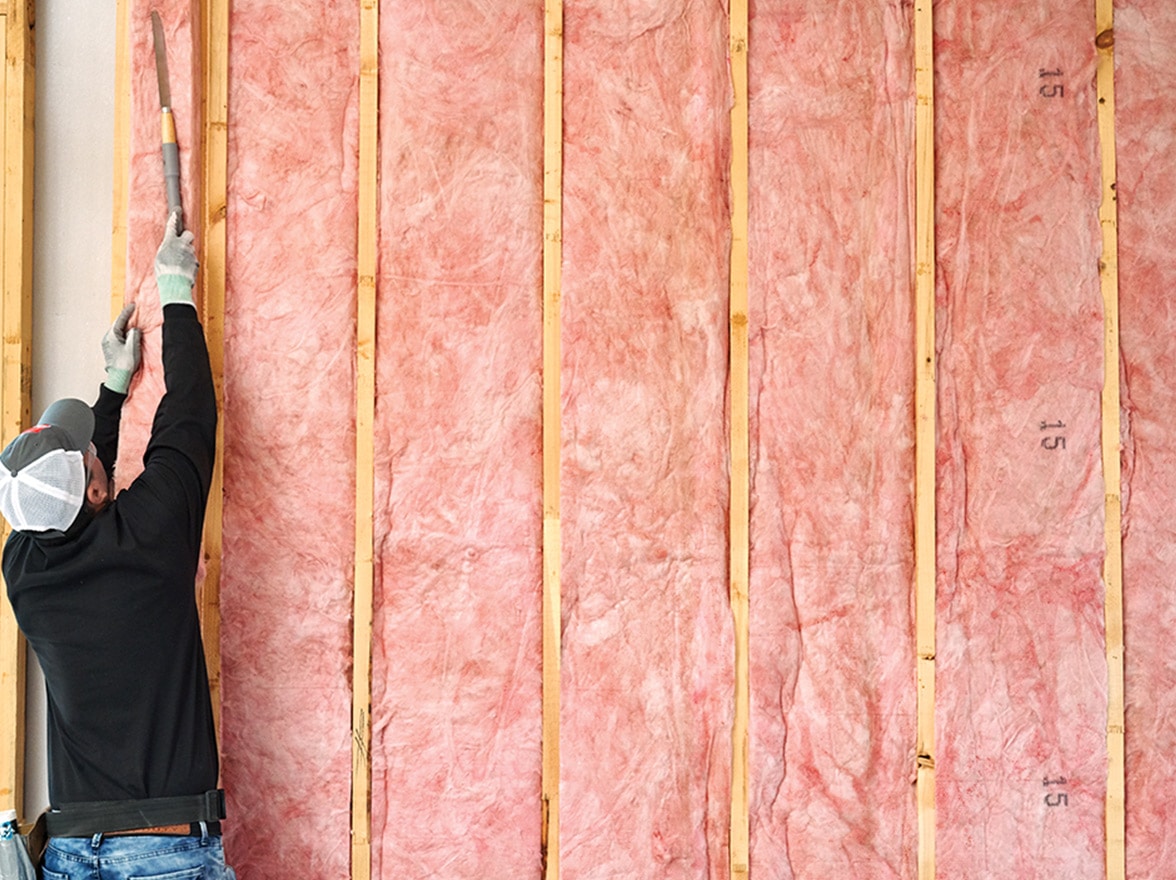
72,242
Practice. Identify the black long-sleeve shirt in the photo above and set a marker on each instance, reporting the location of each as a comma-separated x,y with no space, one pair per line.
109,607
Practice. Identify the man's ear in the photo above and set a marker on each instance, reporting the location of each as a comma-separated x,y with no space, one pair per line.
94,493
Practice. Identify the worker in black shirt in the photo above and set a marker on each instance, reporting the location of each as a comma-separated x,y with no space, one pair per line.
103,589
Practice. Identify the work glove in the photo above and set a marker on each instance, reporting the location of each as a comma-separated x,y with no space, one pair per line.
120,348
175,265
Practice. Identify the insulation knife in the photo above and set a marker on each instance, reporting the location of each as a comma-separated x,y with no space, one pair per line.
171,150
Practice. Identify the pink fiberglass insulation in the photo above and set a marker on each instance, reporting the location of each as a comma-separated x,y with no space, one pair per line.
458,651
1145,53
647,672
1021,683
647,652
148,200
832,649
289,437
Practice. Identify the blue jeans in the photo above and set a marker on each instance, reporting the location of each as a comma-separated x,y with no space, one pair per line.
136,857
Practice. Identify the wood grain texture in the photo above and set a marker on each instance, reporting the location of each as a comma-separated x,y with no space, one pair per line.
214,35
365,405
1108,215
17,265
925,399
552,433
739,504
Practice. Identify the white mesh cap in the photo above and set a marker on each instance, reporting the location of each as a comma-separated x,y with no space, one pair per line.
45,495
43,471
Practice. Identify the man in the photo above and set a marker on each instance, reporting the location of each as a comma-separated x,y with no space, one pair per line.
103,589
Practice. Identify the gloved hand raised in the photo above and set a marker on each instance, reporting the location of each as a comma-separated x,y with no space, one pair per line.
175,265
120,348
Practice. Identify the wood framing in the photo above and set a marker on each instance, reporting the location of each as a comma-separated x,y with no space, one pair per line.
925,403
365,407
214,50
16,266
1108,216
552,430
739,512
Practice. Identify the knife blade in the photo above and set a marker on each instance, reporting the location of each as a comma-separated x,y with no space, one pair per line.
160,60
170,149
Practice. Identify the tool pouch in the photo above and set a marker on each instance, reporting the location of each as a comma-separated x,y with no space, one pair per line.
37,839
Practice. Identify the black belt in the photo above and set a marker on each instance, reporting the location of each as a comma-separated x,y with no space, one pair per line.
106,817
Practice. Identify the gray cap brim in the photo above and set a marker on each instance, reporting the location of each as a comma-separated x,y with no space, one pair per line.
74,417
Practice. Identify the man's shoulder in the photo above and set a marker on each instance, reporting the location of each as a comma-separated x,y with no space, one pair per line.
17,546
